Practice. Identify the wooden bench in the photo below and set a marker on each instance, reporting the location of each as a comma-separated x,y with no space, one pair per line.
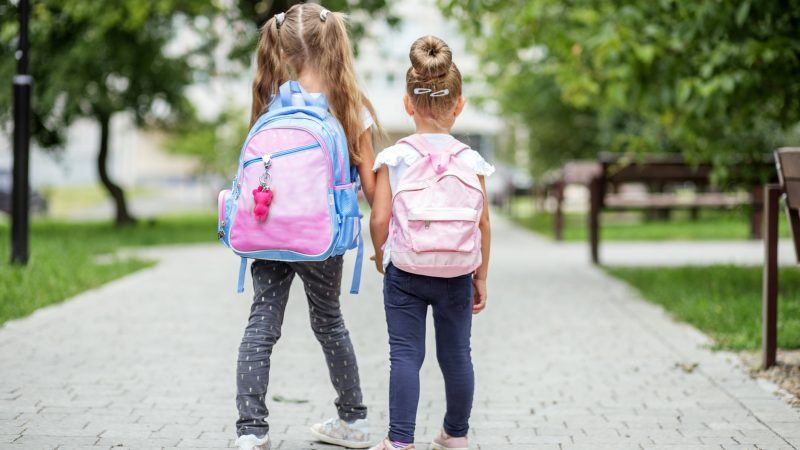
554,183
787,161
658,172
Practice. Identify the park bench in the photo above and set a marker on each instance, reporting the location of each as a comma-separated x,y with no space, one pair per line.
787,161
659,173
554,183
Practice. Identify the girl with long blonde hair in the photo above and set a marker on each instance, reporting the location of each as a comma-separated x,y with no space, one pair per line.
308,44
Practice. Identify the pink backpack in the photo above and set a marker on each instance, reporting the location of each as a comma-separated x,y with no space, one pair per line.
435,214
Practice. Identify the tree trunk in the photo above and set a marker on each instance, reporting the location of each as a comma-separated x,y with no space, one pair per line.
123,217
756,211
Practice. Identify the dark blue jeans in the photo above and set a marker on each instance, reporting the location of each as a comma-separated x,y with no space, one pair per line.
406,299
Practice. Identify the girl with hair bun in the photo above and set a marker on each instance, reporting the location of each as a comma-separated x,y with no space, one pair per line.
431,235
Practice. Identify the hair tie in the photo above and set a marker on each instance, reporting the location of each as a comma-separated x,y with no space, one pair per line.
323,15
279,18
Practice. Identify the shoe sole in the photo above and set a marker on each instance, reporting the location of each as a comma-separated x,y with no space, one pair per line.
435,446
339,442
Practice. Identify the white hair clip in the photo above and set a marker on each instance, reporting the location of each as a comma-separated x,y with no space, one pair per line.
323,15
442,93
279,18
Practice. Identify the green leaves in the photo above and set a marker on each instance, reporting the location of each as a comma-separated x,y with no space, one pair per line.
742,12
104,56
645,53
714,80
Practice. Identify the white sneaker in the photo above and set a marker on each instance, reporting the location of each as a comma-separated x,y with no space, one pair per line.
252,442
338,432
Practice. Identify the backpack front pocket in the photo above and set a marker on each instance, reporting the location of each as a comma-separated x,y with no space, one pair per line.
442,229
299,221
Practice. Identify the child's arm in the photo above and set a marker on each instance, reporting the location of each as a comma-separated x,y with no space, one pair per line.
380,215
479,277
365,172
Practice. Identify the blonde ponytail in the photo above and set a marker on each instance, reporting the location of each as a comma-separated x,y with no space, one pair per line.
270,70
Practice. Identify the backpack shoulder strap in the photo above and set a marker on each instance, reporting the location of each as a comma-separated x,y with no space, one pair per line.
418,143
242,270
356,283
456,147
291,87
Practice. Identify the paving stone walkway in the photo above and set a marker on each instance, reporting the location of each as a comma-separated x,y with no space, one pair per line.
566,358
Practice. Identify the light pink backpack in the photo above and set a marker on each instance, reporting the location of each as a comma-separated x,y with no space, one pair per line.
435,214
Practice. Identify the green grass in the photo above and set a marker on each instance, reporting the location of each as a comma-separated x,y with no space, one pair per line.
63,201
722,301
64,257
632,226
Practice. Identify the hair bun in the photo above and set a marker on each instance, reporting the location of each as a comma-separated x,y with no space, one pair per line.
430,57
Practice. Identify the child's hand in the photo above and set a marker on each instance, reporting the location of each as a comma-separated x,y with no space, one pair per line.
480,295
378,262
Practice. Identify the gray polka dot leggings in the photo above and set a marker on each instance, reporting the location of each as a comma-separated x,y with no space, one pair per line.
271,281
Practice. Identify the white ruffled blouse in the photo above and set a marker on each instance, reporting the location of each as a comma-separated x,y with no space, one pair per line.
400,157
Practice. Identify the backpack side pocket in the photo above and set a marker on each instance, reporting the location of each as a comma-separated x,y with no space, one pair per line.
349,216
223,219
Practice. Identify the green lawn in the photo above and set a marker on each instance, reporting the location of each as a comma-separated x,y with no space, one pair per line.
63,201
722,301
64,257
632,226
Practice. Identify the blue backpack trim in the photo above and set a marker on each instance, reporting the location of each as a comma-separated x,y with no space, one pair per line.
242,270
345,215
356,282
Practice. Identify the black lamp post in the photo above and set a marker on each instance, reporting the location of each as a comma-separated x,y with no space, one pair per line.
20,197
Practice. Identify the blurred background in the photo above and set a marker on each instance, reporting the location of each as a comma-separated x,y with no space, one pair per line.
549,83
140,108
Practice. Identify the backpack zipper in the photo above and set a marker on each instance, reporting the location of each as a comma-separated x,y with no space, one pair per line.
339,156
280,153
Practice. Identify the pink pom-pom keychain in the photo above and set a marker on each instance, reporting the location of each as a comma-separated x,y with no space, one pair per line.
262,195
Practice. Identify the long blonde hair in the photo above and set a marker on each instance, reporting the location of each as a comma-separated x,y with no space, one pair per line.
311,36
432,71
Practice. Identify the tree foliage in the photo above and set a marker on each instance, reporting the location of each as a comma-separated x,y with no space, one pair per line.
100,57
95,59
718,81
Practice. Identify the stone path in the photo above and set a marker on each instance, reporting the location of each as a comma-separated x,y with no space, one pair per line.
566,358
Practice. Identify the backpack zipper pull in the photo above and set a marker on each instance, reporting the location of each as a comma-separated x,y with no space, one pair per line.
427,224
